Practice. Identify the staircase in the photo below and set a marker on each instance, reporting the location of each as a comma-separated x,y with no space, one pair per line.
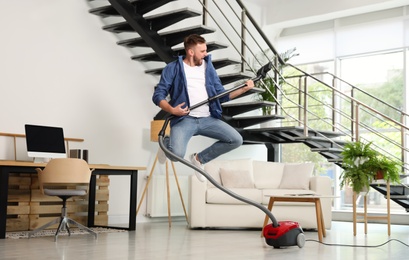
307,109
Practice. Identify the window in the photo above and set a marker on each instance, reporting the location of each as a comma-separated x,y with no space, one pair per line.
380,77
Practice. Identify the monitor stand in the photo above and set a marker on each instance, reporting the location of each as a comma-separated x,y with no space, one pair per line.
41,160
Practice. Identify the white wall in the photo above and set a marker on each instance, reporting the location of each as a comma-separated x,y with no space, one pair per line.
299,12
59,68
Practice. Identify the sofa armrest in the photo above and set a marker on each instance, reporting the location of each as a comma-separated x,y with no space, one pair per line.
321,185
197,202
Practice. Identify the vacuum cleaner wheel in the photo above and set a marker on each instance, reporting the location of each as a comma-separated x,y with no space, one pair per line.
300,240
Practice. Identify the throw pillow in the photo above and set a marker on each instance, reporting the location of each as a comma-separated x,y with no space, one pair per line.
297,176
236,178
267,175
213,168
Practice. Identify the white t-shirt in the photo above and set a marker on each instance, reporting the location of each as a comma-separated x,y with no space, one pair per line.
195,77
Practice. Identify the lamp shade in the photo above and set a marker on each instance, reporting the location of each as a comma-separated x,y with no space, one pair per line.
156,126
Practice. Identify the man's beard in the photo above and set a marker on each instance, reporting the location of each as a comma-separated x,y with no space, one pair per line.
197,61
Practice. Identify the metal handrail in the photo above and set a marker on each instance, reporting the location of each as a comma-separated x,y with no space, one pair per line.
360,124
400,111
302,104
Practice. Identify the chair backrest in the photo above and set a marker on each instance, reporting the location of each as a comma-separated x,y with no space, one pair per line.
64,171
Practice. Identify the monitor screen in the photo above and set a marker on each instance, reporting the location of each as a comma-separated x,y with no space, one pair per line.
45,142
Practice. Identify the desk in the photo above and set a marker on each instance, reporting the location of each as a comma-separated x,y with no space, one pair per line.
7,167
316,199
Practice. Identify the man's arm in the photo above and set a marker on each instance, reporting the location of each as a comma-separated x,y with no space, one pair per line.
240,91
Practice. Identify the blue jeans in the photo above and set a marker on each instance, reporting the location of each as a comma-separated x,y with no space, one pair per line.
180,134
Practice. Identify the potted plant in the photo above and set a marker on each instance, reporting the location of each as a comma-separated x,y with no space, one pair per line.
362,164
268,83
357,158
267,95
387,169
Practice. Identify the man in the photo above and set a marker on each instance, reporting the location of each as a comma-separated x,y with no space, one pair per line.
190,80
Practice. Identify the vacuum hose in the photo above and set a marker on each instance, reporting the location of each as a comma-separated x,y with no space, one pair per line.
262,72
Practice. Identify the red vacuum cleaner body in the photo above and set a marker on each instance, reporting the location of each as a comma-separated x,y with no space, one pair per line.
287,233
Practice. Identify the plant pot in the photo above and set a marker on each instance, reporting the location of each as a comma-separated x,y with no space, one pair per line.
379,175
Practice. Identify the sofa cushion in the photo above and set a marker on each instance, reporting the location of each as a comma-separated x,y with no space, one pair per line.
216,196
296,176
213,167
236,178
267,175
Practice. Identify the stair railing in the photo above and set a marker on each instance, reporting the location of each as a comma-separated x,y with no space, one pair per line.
246,52
353,116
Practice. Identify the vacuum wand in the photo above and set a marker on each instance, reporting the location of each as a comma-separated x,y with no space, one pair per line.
261,74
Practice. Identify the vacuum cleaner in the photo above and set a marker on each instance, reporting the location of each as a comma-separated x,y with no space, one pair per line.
277,234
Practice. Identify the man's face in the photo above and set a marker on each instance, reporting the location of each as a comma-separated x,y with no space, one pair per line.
199,52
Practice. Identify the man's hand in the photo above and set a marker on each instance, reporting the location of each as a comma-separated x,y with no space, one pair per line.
249,85
179,110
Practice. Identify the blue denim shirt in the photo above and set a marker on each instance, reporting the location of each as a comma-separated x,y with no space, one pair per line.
173,82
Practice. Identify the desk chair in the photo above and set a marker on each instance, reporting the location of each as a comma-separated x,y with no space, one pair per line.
53,180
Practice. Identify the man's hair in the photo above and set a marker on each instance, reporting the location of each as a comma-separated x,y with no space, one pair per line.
192,40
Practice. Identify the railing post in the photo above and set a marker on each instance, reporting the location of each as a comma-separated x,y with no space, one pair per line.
356,122
334,104
305,107
204,11
243,39
402,140
299,101
352,116
276,79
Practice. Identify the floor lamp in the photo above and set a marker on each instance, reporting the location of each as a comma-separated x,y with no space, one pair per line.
156,126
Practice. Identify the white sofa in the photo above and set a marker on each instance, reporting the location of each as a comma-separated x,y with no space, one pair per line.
212,208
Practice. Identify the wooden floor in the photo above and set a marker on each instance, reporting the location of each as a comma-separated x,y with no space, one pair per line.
157,241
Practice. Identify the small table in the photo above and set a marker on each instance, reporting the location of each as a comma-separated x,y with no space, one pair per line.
364,214
316,199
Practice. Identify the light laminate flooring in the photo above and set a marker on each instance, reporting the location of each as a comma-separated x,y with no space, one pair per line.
158,241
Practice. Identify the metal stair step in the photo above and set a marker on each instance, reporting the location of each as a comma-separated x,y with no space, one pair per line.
157,22
320,142
177,36
145,6
317,134
398,193
163,20
152,56
233,109
339,160
245,121
217,64
220,63
171,38
233,77
327,149
399,197
329,152
295,134
104,11
118,27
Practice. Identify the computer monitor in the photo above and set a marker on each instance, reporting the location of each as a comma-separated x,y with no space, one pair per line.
45,142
